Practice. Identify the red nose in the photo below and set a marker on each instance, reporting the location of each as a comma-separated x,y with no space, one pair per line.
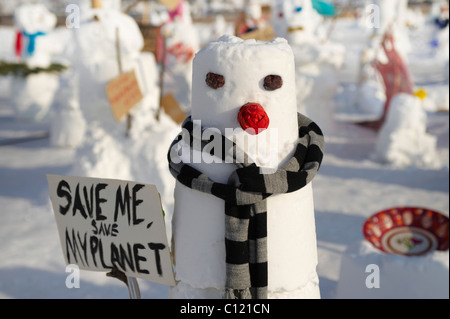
253,118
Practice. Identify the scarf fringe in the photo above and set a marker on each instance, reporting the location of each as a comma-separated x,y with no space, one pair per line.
238,293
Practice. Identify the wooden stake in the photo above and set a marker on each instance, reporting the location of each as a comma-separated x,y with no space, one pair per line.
119,63
161,77
146,13
118,54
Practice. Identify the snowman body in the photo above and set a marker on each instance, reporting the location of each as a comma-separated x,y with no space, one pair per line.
96,64
198,221
33,95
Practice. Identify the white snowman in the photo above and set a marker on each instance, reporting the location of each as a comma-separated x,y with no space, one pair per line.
36,44
239,84
97,64
403,139
296,15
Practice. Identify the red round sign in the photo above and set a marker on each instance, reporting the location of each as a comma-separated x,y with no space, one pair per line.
410,231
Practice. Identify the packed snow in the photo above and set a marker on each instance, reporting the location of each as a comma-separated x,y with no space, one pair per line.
364,171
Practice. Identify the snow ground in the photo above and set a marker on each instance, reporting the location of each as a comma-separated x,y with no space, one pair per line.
348,188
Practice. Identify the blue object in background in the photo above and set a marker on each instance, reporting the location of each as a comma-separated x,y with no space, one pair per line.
441,23
324,8
434,43
32,41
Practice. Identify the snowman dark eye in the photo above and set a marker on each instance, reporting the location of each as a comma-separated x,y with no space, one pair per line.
214,81
272,82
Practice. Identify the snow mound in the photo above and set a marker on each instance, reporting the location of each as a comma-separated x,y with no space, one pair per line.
403,139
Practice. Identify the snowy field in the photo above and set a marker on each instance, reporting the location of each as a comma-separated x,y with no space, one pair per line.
349,188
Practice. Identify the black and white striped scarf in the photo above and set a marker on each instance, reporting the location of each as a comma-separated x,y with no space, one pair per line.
245,199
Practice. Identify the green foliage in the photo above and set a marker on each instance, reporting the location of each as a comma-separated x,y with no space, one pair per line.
22,69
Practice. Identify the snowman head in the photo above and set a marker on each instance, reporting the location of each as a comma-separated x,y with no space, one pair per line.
33,18
301,19
245,88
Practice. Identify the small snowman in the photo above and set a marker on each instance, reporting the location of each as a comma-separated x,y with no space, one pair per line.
297,21
36,44
67,125
403,139
243,221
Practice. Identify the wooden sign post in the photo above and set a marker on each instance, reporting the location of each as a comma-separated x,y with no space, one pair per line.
161,75
107,224
96,4
123,91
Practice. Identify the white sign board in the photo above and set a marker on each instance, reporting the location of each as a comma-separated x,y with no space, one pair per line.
105,222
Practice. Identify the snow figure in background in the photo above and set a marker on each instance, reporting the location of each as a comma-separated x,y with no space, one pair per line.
97,64
67,126
403,139
317,62
395,73
33,95
250,19
439,13
371,93
390,16
440,41
297,15
86,5
106,151
181,44
244,201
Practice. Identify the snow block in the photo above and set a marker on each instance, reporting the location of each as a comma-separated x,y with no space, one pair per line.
368,273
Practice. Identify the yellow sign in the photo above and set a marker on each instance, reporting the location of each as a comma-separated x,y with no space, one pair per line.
96,4
170,4
266,34
171,107
421,94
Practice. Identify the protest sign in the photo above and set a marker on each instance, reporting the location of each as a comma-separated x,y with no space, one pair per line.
106,223
123,94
